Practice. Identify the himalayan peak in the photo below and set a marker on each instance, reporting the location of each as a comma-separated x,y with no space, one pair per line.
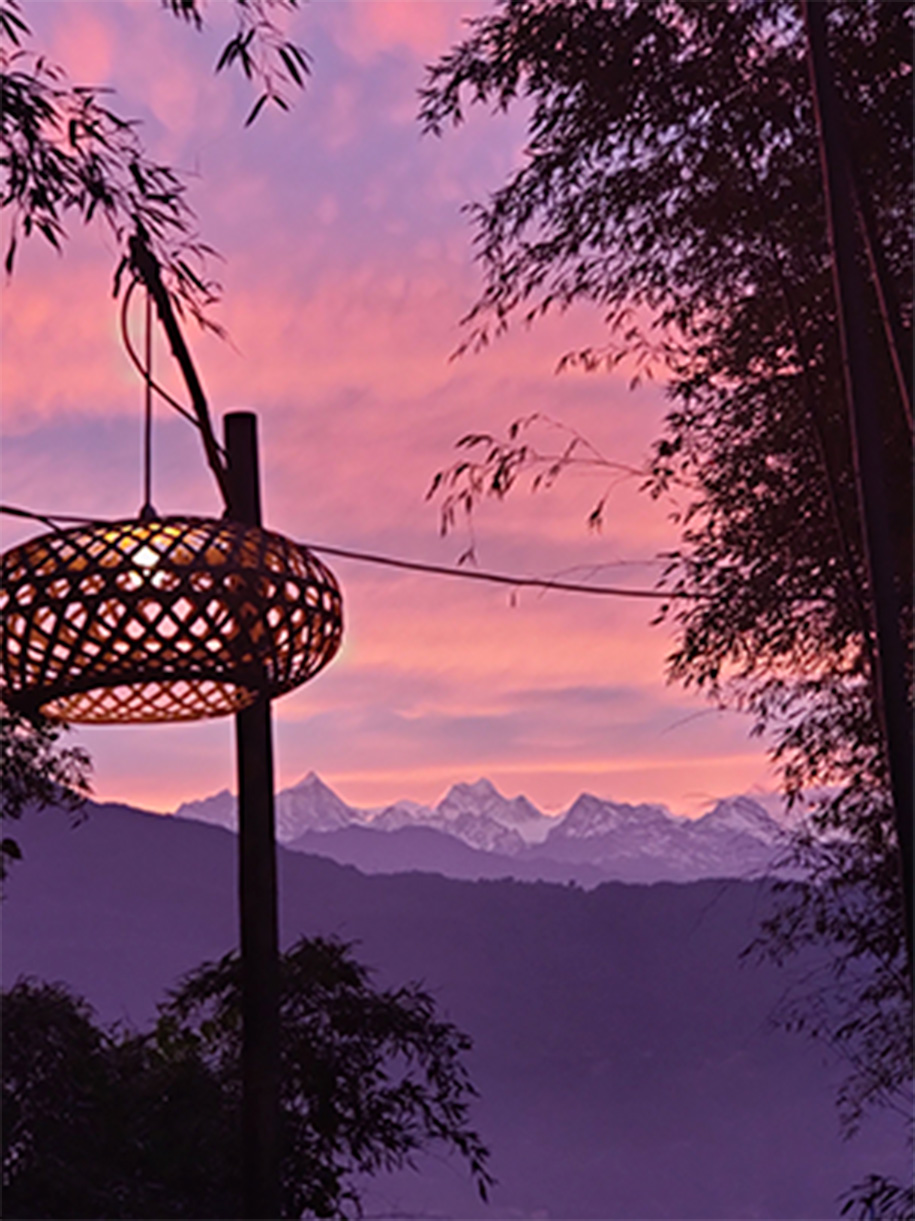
594,840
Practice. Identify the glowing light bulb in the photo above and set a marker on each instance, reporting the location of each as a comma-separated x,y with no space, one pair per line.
145,557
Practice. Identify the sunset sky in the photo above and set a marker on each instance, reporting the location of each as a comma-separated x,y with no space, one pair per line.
348,264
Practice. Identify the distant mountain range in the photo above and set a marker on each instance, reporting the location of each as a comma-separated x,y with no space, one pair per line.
475,832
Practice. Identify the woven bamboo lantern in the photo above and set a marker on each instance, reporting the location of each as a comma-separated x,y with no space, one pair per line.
162,619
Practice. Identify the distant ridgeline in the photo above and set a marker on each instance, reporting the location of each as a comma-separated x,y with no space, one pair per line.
474,832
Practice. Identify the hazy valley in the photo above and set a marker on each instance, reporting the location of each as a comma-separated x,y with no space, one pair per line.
624,1056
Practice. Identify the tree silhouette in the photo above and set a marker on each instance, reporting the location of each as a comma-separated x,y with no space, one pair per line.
107,1122
66,152
35,770
671,178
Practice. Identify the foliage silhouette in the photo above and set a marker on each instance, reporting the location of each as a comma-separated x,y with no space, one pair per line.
878,1196
110,1122
36,771
64,150
671,178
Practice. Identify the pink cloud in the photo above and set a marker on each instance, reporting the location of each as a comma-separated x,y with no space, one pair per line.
422,27
83,39
551,786
61,356
141,52
347,269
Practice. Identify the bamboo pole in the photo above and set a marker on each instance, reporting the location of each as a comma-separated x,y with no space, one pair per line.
853,293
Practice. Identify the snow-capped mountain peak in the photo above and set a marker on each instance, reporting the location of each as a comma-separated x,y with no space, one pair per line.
741,816
478,792
311,805
482,800
309,780
220,810
598,838
590,816
402,813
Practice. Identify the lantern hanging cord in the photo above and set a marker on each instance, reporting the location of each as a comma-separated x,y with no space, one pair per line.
138,365
390,561
147,413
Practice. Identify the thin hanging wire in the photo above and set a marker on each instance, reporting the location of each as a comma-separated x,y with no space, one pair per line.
441,570
148,510
137,363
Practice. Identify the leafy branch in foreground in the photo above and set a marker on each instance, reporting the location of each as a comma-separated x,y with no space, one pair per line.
108,1122
36,770
671,179
492,466
259,47
877,1196
64,149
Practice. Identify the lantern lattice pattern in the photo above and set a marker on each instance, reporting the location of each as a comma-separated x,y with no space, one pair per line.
171,619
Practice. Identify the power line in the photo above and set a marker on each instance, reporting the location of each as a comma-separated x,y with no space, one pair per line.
390,561
494,578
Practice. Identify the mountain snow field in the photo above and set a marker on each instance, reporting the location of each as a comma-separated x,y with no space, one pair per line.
475,832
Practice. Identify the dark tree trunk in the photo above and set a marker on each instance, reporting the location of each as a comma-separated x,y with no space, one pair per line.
853,296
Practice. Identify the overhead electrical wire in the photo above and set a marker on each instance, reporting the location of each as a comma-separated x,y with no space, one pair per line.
390,561
494,578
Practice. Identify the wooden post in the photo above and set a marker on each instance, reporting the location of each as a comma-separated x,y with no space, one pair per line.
256,886
239,483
